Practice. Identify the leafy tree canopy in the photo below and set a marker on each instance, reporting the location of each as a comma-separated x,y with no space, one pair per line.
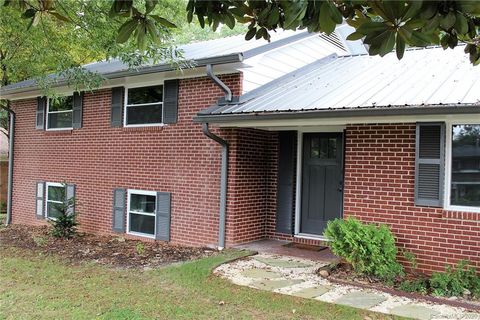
383,25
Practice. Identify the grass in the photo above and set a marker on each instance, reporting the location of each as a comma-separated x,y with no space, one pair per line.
43,287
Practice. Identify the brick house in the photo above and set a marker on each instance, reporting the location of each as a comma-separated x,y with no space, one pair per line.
262,141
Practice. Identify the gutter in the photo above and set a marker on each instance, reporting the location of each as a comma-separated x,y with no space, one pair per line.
223,184
11,131
338,113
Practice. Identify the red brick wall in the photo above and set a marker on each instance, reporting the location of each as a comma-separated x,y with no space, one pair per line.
252,154
97,158
379,187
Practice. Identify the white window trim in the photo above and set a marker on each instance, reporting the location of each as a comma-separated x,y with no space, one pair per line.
154,214
448,168
47,185
48,116
126,105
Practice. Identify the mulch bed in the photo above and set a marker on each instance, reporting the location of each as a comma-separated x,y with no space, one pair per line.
344,274
114,251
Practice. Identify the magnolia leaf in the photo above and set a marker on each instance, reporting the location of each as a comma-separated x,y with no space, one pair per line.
251,33
229,20
413,8
399,47
421,39
36,19
388,44
141,39
369,27
273,17
355,36
153,31
448,21
461,24
59,16
150,5
334,13
164,22
125,31
327,25
295,14
29,13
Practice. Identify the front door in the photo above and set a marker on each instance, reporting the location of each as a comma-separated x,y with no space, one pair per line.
322,181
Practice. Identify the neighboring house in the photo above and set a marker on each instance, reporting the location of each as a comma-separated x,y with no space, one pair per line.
316,131
3,169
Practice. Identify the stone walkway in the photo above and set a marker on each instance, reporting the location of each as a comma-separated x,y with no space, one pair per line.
294,276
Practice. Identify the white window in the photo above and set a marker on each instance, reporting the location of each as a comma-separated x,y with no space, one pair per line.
143,106
60,113
141,219
54,200
463,167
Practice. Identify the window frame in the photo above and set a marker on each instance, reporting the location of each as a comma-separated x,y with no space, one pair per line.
154,214
126,105
448,166
47,126
47,185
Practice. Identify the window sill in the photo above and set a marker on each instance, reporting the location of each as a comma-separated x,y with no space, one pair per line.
143,235
59,131
144,128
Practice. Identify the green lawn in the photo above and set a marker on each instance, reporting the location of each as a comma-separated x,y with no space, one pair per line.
40,287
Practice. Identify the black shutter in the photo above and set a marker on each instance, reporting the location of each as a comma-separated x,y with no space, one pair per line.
116,112
40,200
118,219
429,164
285,185
163,209
41,109
70,195
170,101
77,110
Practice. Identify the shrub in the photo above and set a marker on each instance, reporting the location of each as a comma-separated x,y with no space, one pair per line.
370,249
65,224
417,285
455,281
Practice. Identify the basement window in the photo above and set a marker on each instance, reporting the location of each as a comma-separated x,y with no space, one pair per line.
465,166
55,199
144,106
141,219
60,113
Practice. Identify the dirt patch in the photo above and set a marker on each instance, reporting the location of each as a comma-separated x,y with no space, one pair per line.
114,251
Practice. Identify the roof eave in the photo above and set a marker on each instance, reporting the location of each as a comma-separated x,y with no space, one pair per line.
225,59
340,113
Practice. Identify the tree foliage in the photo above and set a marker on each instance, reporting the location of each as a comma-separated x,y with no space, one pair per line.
383,25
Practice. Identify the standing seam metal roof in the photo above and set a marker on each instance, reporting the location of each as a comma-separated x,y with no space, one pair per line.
424,77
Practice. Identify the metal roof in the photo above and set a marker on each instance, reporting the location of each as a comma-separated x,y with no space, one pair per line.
430,77
219,51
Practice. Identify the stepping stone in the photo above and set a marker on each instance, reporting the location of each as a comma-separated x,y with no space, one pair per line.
361,299
312,292
471,316
282,263
260,274
271,285
414,311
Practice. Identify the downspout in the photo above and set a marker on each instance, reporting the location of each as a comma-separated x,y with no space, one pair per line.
11,130
219,83
223,184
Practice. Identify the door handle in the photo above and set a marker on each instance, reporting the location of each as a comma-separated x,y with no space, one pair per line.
340,189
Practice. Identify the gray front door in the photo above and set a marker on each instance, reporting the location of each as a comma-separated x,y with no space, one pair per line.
322,181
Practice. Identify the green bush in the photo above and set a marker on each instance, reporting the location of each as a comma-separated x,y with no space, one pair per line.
455,281
370,249
65,224
417,285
